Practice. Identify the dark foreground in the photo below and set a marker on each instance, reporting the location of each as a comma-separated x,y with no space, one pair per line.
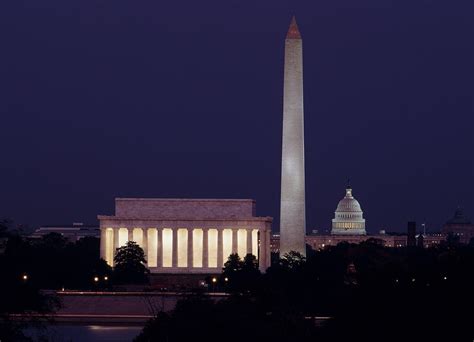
80,333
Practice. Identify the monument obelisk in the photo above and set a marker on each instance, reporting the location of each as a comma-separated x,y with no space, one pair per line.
292,205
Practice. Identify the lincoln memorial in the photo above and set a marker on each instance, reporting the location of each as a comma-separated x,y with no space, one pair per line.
187,235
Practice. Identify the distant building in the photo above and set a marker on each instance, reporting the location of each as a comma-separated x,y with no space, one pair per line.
348,218
72,233
433,239
460,226
394,240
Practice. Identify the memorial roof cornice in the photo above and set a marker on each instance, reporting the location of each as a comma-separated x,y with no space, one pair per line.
185,199
128,218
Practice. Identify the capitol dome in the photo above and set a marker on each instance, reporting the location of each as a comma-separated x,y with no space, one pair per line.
348,218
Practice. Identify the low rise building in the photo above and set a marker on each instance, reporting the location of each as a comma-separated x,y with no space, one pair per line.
72,232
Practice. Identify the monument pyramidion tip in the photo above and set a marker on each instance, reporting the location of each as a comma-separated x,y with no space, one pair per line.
293,32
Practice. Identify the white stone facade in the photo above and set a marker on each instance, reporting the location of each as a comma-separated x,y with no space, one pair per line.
292,206
187,235
348,218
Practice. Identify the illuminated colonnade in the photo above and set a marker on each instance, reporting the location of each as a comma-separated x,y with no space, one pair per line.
187,235
186,248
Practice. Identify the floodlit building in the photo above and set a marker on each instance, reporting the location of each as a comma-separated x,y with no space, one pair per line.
187,235
348,218
460,226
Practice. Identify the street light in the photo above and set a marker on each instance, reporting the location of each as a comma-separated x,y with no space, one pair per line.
214,281
25,277
106,278
96,279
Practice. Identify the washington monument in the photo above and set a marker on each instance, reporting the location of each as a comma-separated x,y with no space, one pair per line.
292,207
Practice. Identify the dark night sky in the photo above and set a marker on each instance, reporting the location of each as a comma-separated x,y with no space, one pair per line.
100,99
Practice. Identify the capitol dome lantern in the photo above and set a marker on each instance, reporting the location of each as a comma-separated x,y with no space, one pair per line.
348,218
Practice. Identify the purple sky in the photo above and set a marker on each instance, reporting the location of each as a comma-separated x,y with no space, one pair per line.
100,99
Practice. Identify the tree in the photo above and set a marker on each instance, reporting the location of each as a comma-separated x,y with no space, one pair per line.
54,241
4,226
250,263
293,260
20,291
233,264
130,264
241,276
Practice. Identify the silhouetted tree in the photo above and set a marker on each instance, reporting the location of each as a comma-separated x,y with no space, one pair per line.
240,276
232,265
237,318
20,290
293,260
4,227
130,264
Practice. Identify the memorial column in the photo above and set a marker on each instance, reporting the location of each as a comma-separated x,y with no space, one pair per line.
103,243
190,248
220,252
235,241
249,241
174,262
145,243
261,250
116,243
159,248
205,248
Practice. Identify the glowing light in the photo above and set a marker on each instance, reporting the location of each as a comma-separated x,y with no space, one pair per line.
25,277
96,279
197,247
109,246
138,236
122,236
255,242
242,242
106,278
226,244
152,247
212,247
214,279
226,279
182,247
167,247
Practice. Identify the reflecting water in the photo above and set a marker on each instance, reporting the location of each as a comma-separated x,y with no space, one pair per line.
92,333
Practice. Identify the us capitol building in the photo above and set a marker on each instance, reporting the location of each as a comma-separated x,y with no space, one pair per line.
349,218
